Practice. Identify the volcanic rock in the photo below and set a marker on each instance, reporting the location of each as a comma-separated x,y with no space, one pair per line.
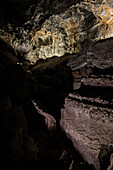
75,38
87,117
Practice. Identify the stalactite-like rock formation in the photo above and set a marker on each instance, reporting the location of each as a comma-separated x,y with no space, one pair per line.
87,117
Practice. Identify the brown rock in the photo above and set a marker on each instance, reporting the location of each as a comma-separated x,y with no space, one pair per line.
5,103
14,119
111,163
88,127
89,71
18,118
87,117
83,72
76,74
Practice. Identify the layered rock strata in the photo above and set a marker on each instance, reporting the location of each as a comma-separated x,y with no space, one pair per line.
33,30
87,117
30,136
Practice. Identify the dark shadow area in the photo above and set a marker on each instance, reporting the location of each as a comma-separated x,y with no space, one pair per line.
53,85
16,11
103,72
105,93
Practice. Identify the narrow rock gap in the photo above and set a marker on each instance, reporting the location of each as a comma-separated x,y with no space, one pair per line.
52,85
104,93
51,108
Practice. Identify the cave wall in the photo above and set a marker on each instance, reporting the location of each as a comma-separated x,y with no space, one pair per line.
88,111
75,38
42,30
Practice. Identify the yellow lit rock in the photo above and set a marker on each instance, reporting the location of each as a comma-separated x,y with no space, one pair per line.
69,32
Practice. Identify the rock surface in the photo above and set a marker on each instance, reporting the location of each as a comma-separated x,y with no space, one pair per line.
71,31
61,30
29,132
57,28
87,117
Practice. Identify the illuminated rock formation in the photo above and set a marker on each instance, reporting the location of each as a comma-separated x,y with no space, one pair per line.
71,31
46,33
55,52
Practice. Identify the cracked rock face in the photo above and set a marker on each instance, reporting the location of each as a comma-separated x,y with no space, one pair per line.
75,32
56,28
70,31
87,117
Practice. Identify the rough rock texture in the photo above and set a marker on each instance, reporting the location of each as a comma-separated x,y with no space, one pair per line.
37,29
111,163
30,135
54,28
71,31
87,117
49,120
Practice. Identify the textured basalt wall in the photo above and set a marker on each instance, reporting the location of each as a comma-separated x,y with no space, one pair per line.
87,117
75,38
